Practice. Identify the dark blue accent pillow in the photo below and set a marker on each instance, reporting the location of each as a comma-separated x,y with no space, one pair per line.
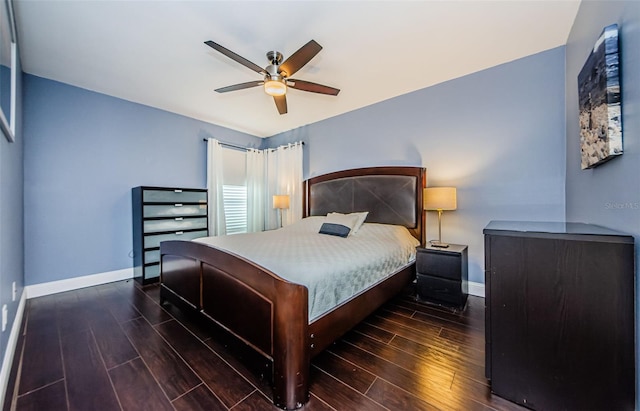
335,229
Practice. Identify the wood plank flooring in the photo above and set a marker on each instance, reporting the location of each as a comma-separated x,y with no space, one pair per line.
113,347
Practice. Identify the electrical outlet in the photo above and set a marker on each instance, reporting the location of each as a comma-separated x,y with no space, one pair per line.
15,291
5,312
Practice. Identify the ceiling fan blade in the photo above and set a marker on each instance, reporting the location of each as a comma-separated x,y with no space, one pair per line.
300,58
240,86
312,87
235,57
281,103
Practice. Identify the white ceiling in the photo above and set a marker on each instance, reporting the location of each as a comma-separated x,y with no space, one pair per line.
153,52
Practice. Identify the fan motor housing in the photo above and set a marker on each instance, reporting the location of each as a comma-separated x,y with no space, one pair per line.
272,72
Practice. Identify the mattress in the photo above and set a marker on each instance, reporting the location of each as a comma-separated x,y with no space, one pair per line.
332,268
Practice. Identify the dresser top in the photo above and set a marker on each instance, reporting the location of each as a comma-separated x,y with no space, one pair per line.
548,227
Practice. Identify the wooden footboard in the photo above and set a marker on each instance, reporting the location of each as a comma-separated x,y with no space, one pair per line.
266,312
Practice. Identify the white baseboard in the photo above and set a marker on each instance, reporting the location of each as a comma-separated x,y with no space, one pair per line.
10,350
53,287
476,289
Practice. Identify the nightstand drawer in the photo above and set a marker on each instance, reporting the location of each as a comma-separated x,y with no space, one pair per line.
438,264
440,289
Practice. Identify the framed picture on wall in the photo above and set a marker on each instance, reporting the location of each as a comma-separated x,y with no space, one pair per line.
599,102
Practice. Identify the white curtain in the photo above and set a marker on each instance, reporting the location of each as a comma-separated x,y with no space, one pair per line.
268,173
217,223
284,176
256,193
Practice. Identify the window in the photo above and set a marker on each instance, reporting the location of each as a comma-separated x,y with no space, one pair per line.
234,190
235,208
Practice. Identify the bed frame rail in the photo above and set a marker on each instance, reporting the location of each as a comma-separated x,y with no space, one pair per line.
326,329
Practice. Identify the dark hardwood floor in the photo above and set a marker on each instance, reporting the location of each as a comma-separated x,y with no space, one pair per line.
113,347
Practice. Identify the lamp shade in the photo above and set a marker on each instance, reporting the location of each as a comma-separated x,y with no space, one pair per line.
440,198
281,201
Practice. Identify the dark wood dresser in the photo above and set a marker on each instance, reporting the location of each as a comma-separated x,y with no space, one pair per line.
560,316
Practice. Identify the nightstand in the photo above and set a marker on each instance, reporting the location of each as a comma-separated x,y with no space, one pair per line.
442,274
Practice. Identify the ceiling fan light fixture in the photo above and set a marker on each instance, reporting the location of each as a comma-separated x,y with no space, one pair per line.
275,88
275,77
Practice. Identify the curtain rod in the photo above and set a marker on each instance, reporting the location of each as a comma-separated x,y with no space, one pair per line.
239,147
229,145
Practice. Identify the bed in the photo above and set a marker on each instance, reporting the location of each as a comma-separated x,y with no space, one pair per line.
276,319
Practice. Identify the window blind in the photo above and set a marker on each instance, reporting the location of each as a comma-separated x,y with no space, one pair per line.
235,208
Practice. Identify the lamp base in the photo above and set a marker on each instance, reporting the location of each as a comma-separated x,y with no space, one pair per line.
438,244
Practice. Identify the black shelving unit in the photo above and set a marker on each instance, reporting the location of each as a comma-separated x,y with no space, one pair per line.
161,214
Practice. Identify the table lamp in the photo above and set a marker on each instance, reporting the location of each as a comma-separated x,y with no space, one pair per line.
439,199
280,202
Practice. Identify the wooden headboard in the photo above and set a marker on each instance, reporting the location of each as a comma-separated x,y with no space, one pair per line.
391,195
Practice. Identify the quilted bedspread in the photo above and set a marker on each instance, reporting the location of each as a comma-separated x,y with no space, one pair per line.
332,268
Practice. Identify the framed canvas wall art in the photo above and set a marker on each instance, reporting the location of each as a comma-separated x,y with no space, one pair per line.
599,102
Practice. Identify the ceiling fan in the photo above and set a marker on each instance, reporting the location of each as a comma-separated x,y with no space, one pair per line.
276,76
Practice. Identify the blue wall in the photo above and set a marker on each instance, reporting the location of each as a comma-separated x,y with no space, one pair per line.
607,195
497,135
83,153
11,215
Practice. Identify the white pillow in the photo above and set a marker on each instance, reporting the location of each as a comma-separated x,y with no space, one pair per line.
347,220
360,217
